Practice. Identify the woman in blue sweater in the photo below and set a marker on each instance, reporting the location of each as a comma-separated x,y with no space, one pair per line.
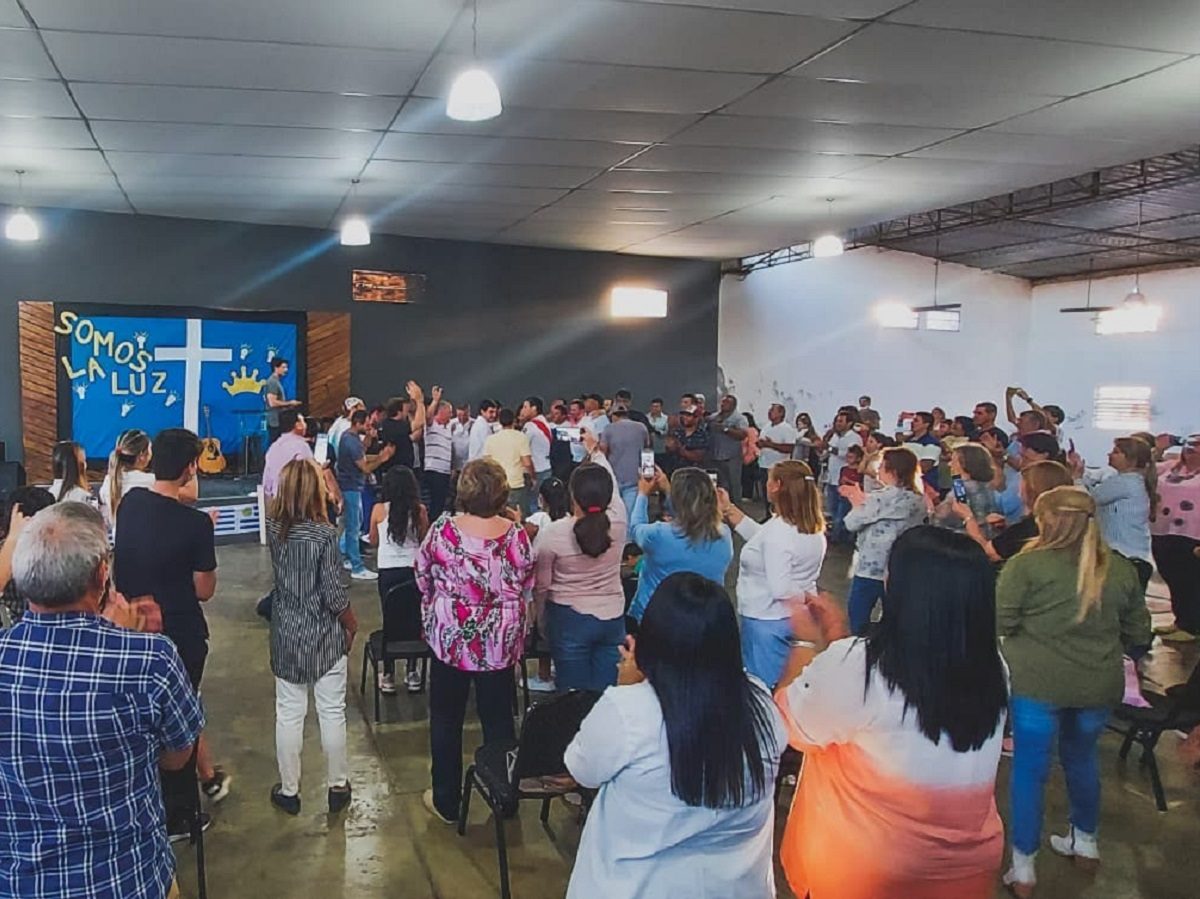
694,540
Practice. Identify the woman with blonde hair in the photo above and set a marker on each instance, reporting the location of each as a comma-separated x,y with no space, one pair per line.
128,467
878,518
1035,479
1125,501
972,465
312,630
475,571
1067,608
781,559
695,539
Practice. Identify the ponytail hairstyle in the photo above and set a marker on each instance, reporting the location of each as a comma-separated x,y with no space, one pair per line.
798,501
67,467
401,494
1066,520
1140,455
903,464
556,498
591,491
131,446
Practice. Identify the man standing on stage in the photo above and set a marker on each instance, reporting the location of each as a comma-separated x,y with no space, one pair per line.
275,397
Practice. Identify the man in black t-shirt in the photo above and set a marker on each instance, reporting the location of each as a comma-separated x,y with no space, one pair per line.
165,549
403,428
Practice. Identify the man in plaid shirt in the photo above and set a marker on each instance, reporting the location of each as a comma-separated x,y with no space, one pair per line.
88,712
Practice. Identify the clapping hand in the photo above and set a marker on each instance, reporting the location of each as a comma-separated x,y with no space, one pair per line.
817,618
435,393
627,668
853,493
414,391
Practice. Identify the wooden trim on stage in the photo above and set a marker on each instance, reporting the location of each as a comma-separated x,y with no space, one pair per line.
328,360
39,393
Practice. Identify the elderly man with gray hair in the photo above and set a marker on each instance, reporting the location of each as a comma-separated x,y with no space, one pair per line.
90,711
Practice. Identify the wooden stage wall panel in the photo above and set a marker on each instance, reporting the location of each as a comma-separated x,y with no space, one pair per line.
39,394
328,359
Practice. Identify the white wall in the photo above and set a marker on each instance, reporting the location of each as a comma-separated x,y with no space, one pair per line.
1067,359
803,334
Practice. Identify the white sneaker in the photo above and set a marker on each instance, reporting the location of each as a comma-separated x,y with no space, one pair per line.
365,575
537,685
1078,846
387,684
1021,877
413,682
346,564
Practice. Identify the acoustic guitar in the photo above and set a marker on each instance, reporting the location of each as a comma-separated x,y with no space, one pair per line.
212,461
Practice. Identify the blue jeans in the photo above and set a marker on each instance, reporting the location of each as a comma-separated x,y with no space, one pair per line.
539,479
583,647
628,496
1035,724
835,510
766,645
351,528
864,593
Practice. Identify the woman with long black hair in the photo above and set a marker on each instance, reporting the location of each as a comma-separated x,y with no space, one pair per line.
70,474
684,752
900,733
398,525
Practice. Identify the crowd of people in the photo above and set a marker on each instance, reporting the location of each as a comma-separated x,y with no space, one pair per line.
996,582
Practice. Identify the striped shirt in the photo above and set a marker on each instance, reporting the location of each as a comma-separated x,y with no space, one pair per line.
438,447
306,637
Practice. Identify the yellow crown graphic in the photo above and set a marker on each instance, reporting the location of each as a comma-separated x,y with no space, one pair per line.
243,383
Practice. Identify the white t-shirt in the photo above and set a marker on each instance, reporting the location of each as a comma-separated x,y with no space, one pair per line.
75,494
337,429
481,430
393,554
129,480
640,839
777,562
838,444
460,441
780,433
539,443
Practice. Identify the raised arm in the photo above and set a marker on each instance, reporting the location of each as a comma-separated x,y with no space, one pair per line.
417,426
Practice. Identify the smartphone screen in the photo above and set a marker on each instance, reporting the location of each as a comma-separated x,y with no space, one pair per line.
712,476
647,465
321,450
960,490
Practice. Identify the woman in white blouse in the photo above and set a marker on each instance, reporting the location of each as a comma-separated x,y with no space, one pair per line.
70,474
128,467
684,752
782,558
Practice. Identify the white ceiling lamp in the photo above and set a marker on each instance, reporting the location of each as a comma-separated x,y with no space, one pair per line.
21,226
828,245
474,96
356,232
1135,315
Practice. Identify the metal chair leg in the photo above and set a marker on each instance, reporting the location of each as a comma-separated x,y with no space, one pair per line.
1127,743
501,853
362,687
546,810
464,807
1151,764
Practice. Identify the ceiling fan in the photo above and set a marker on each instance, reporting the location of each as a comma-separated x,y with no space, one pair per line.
1088,308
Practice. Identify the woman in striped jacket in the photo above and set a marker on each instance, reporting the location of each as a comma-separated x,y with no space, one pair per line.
312,630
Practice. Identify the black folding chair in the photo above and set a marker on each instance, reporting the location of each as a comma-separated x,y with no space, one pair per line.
409,647
1178,709
504,773
536,648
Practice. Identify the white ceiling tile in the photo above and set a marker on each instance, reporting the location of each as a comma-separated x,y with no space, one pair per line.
825,9
961,171
998,146
461,148
411,24
897,54
671,36
35,98
133,102
101,195
557,85
1153,24
596,215
813,137
744,160
233,139
230,211
693,206
428,116
11,15
454,192
51,165
705,182
948,105
63,134
225,187
171,165
418,173
22,56
130,59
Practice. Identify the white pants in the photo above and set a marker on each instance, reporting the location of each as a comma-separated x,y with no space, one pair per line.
291,707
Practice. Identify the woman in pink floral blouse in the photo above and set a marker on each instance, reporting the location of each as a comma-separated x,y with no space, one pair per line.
475,571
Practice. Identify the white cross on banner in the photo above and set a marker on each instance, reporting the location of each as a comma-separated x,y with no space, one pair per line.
193,354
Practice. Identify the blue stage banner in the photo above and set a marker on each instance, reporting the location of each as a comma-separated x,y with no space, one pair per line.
161,372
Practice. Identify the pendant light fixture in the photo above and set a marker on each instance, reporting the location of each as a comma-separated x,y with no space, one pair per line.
356,232
1135,315
828,244
21,226
474,96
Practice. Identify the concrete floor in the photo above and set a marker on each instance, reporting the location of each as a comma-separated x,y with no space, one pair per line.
385,845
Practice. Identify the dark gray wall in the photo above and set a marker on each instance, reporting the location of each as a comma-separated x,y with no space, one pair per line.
499,321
